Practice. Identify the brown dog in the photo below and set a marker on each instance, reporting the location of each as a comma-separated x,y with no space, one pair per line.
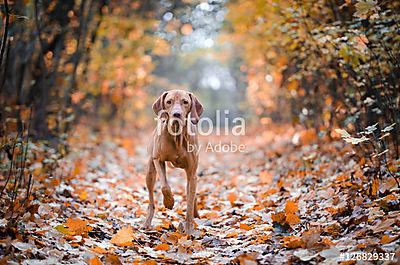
173,141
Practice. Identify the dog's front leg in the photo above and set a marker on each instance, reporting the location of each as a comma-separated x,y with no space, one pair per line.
191,196
150,181
168,197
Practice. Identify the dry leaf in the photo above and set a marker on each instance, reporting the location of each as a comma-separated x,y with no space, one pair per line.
292,242
245,226
291,207
386,239
123,237
163,246
94,261
112,259
232,198
292,219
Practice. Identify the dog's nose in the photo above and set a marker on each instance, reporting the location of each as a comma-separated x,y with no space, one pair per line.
177,115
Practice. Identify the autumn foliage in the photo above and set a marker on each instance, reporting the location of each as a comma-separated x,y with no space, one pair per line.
317,82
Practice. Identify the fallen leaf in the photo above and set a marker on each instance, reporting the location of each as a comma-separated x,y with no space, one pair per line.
232,198
383,226
245,226
292,242
150,262
386,239
94,261
112,259
99,250
162,246
292,219
123,237
304,254
291,207
374,187
77,226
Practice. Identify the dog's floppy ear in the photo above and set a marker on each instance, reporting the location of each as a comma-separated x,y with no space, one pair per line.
196,109
159,103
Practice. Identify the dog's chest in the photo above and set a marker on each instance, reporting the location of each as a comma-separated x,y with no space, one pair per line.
180,160
178,157
167,151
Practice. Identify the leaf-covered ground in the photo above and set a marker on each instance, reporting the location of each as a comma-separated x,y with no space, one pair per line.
286,199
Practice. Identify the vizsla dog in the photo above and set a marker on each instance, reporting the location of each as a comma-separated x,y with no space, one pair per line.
173,140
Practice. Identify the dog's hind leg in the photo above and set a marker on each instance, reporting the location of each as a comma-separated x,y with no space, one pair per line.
168,197
196,212
150,181
190,196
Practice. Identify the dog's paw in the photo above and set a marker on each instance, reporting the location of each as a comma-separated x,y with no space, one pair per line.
186,228
146,225
168,199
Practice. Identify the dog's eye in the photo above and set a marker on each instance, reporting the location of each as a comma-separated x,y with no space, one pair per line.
185,102
169,102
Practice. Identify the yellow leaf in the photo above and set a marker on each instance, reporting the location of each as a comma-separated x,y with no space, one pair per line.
62,229
163,246
123,237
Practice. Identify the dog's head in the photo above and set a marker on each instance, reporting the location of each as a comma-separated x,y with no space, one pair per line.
177,104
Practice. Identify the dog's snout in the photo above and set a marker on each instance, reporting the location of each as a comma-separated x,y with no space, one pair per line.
177,115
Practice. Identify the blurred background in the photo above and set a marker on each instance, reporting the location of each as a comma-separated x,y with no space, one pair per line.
321,64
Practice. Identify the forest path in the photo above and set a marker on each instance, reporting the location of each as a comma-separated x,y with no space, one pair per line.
276,202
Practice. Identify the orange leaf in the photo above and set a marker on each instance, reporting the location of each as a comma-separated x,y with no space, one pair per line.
171,237
77,226
232,198
232,234
386,239
123,237
270,192
374,187
94,261
150,262
292,219
279,217
112,259
291,207
163,246
83,195
99,250
245,227
293,242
